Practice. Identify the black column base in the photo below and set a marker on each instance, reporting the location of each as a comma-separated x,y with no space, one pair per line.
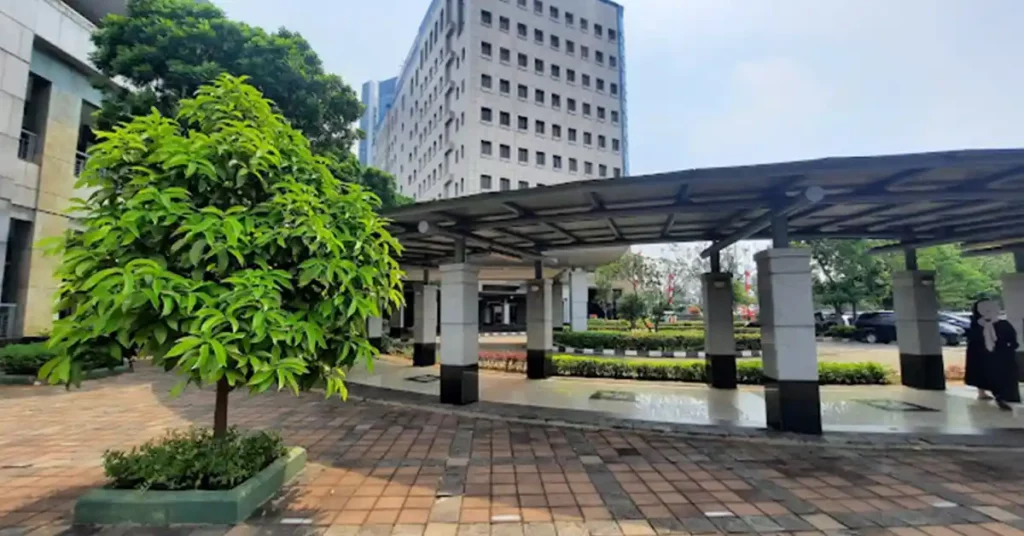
424,354
721,371
793,406
923,371
558,327
1020,366
539,364
377,342
460,384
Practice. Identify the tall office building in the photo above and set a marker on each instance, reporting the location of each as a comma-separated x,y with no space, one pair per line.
507,94
377,98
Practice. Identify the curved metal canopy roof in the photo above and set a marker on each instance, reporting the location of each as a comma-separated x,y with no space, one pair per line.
976,197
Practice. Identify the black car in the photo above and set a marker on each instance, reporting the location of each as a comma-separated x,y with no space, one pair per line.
880,327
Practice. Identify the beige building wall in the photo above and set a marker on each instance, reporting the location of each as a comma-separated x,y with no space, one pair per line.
56,188
49,39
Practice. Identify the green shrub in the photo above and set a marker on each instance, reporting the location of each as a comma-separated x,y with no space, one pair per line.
692,340
24,359
843,332
748,371
193,460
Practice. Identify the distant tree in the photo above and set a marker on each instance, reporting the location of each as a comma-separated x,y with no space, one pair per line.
217,244
632,308
848,275
960,281
166,49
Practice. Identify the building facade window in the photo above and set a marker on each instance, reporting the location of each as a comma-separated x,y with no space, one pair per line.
504,55
573,165
485,81
505,119
486,148
523,122
538,66
521,30
485,49
523,92
615,144
538,96
556,100
539,127
523,185
572,135
524,61
504,152
504,185
504,24
588,168
556,131
524,156
588,138
602,170
486,115
538,36
485,17
556,161
504,86
485,182
541,158
570,47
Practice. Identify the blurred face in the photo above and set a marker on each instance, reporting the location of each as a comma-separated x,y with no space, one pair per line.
988,309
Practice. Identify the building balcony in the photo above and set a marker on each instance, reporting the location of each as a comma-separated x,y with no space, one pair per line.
96,10
28,146
80,159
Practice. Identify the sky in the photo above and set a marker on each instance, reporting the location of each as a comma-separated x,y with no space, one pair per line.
731,82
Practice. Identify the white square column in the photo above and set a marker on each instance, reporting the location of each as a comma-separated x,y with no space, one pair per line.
375,331
424,326
791,395
396,322
539,338
719,339
578,298
1013,303
557,306
917,329
460,345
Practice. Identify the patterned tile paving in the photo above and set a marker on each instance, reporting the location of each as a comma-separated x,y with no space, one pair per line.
378,469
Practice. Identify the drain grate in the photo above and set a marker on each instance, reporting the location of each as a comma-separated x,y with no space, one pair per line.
888,404
614,396
424,378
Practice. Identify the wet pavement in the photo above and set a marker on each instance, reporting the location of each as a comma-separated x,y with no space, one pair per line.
383,467
854,409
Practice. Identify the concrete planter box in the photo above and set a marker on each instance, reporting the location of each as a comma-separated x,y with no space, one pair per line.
227,507
30,379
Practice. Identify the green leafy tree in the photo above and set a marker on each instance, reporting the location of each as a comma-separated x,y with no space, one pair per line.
166,49
848,275
632,308
739,293
960,281
217,243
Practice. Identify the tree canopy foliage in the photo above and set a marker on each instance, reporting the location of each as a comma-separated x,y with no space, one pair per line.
849,278
166,49
217,243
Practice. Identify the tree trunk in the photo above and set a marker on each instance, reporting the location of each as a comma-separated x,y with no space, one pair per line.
220,412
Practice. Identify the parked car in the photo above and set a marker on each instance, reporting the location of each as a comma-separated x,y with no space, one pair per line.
826,321
956,320
880,327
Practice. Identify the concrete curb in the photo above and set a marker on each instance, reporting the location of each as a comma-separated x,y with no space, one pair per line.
162,508
686,354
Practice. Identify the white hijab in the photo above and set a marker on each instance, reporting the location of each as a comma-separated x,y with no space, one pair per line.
988,315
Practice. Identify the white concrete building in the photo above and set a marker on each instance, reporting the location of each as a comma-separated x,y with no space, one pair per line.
508,94
46,102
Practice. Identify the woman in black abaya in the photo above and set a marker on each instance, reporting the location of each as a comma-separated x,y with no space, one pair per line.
991,355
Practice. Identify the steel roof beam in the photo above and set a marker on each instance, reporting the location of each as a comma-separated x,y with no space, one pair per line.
426,227
809,196
984,234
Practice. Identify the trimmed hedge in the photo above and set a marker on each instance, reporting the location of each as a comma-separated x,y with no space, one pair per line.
622,325
639,340
748,371
841,332
26,359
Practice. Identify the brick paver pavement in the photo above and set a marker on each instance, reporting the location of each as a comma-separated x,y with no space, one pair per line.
379,469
